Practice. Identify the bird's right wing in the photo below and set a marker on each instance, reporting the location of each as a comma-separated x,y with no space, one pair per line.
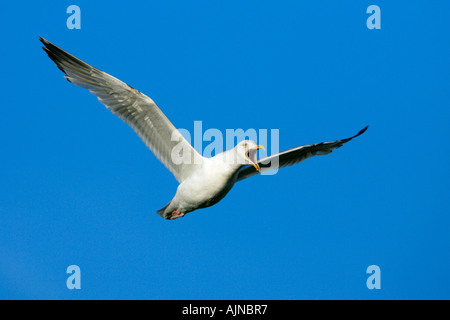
293,156
133,107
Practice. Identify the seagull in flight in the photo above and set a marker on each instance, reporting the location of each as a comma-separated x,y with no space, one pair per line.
202,181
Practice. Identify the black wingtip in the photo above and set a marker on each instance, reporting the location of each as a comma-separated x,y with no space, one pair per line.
362,131
55,54
358,134
44,41
48,46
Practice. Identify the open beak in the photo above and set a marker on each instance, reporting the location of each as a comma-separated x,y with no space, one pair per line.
252,156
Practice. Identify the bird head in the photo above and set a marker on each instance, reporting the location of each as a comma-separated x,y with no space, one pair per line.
246,152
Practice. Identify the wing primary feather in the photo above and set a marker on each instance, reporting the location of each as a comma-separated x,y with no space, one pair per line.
295,155
135,108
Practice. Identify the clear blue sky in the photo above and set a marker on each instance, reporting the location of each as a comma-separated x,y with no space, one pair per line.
77,186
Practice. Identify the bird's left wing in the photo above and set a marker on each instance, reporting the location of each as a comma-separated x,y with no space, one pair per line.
294,156
134,108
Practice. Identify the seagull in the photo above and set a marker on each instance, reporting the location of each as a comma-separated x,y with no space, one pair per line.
203,181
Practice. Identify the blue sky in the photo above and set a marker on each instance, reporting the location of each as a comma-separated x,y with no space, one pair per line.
78,187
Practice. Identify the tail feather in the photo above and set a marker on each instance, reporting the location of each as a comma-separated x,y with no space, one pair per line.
162,212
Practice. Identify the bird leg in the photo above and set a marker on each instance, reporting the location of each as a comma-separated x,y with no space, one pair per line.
176,214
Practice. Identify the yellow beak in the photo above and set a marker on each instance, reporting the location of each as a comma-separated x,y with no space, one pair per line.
260,147
254,161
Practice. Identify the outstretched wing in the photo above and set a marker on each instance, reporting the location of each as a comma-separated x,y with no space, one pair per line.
294,156
133,107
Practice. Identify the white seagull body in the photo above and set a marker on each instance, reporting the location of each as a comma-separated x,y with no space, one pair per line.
203,181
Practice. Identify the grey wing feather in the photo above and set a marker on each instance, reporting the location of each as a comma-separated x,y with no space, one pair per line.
294,156
133,107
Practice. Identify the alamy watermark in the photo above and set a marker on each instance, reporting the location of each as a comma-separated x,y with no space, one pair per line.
374,20
74,280
374,280
74,20
212,142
